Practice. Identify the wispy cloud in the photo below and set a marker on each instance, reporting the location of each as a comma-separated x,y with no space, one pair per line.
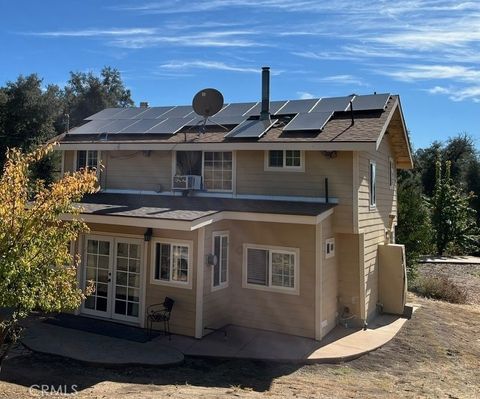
95,32
458,94
138,38
342,80
304,95
215,65
430,72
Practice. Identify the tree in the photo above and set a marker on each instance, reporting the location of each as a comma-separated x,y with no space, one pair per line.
29,115
37,271
414,228
453,220
86,94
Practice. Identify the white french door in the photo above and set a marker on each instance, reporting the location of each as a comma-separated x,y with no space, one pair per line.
115,267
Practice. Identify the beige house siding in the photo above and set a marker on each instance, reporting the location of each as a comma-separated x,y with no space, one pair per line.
329,285
138,170
183,314
287,313
253,179
348,273
373,222
217,302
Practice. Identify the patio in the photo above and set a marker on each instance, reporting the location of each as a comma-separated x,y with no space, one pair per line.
342,344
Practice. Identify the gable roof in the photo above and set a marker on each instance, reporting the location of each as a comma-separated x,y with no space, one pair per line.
343,130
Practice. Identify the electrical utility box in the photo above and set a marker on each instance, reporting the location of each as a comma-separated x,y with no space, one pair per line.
392,278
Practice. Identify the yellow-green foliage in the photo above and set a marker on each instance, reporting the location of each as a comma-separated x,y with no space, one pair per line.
37,271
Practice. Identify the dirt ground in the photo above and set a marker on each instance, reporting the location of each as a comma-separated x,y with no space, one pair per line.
435,355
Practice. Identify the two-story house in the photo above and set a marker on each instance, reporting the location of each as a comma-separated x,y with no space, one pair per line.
270,223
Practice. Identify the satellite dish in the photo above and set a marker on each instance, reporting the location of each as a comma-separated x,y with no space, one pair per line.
207,102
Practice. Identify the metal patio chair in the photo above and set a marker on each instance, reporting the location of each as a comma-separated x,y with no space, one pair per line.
158,313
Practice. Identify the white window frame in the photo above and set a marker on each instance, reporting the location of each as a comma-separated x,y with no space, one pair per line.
295,290
75,159
172,283
284,168
234,169
391,173
221,285
329,248
372,184
203,172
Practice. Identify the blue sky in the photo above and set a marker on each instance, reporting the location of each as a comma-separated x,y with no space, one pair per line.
428,51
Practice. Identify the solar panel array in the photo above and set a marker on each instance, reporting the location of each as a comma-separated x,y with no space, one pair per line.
307,115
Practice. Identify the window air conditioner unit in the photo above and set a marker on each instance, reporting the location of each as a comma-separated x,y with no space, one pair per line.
187,182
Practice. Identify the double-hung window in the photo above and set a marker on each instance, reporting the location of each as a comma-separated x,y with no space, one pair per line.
87,159
220,269
284,160
217,170
172,264
373,184
274,269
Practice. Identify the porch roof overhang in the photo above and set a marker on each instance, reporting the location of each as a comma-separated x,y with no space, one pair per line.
191,213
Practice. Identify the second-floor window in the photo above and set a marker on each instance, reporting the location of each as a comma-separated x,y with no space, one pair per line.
284,160
87,159
217,171
215,167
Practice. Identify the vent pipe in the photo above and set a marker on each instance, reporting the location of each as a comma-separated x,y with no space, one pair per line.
265,113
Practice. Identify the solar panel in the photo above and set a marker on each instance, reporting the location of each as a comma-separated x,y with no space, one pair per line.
116,125
130,113
179,112
297,106
251,128
91,127
170,126
155,112
332,104
218,120
309,121
107,113
236,109
370,102
274,107
141,126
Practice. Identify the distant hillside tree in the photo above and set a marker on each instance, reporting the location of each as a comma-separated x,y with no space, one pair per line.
29,115
453,220
86,94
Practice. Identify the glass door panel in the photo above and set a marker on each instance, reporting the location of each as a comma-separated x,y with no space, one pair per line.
127,280
97,270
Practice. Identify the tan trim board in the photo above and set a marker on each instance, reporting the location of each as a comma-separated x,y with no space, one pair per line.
181,146
318,281
355,189
385,126
200,283
201,222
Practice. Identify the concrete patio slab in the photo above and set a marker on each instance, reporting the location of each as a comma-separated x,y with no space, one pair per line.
451,259
341,344
97,349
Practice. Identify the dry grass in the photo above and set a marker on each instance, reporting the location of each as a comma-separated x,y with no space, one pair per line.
435,355
441,288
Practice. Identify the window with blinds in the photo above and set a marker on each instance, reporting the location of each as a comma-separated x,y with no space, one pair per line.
271,268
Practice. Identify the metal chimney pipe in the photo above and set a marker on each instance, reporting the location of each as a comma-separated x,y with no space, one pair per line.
265,113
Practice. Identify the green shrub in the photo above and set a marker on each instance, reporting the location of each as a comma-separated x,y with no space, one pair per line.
441,288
